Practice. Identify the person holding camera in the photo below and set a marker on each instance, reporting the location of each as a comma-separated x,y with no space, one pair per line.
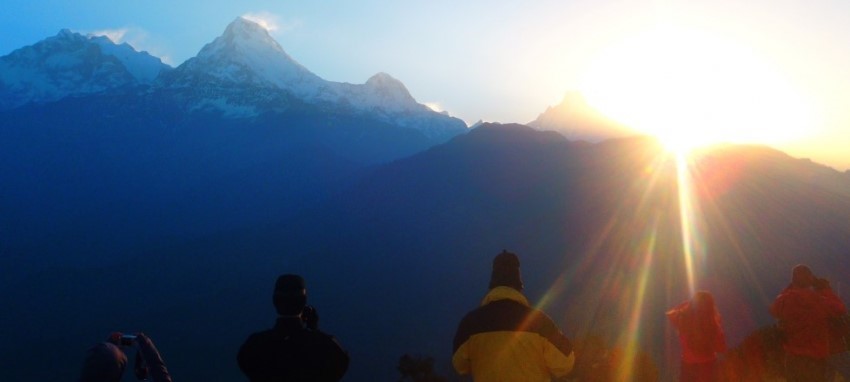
105,362
295,349
700,335
804,310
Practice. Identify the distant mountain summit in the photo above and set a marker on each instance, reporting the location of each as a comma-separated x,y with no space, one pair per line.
245,56
244,73
383,92
577,120
71,64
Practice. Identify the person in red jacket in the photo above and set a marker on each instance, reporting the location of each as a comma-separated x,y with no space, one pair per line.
701,336
804,313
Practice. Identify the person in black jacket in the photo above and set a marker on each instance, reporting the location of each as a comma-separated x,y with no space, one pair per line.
295,349
105,362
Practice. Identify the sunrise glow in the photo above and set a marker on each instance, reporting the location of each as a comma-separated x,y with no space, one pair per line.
691,88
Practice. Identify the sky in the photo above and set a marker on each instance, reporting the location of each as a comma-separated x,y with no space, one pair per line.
775,72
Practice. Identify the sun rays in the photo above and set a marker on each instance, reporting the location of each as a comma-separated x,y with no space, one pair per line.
689,218
654,249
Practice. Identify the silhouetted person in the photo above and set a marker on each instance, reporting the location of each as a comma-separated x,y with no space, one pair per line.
294,350
701,336
804,315
505,339
105,362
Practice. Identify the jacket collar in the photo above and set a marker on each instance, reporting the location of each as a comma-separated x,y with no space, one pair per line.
504,293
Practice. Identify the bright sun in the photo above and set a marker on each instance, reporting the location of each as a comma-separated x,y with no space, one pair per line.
691,89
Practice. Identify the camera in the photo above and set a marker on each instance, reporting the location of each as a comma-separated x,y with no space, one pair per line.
127,340
310,317
820,283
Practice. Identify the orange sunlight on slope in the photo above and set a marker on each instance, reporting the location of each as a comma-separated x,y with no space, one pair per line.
691,88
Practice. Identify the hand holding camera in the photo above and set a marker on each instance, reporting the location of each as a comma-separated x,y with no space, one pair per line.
121,339
310,317
130,340
821,283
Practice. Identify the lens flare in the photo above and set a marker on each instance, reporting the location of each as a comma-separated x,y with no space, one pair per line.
632,334
651,251
688,220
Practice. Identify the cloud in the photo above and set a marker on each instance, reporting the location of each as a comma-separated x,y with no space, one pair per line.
435,106
116,35
166,59
272,22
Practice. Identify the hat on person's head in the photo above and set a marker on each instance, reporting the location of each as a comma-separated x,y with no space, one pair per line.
104,362
506,271
290,295
802,276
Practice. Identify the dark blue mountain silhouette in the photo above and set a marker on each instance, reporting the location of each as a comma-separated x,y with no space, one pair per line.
396,254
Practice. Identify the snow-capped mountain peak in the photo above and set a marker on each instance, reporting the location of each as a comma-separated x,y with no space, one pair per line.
242,28
243,37
381,93
385,86
246,54
243,73
70,63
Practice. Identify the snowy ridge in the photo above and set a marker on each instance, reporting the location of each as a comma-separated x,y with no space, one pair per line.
243,73
72,64
141,65
57,67
390,100
246,55
381,92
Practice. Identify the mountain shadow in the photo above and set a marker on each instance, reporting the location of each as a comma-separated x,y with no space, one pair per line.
395,255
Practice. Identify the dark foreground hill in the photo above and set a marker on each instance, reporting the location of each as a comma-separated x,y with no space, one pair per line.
598,227
397,255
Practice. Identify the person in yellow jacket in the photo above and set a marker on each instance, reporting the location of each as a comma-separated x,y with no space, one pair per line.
505,339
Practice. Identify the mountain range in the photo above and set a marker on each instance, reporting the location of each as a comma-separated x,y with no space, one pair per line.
89,135
136,196
70,64
244,73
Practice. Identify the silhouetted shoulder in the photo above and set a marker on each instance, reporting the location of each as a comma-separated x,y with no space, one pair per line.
301,355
